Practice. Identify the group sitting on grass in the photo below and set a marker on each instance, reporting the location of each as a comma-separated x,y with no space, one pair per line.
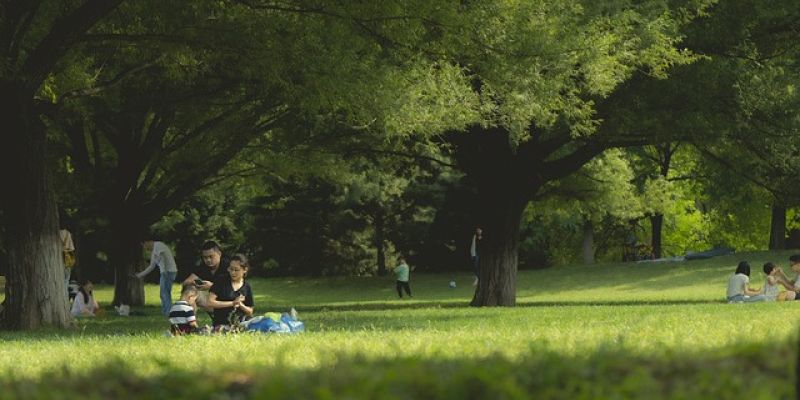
739,290
217,286
229,301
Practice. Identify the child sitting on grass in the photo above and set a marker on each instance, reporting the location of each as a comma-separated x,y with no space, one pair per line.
776,279
739,286
401,271
181,315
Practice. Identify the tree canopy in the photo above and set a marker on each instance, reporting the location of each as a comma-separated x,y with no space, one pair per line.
361,130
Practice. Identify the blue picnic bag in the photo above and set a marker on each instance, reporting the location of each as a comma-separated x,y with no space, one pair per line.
284,324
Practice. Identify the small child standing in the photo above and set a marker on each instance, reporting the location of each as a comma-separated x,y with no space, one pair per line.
181,315
401,271
776,279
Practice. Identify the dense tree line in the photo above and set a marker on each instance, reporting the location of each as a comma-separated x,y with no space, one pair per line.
327,137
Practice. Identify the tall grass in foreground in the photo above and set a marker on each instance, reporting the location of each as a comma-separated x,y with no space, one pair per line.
608,331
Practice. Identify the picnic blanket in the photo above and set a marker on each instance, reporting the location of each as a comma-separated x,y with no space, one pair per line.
275,323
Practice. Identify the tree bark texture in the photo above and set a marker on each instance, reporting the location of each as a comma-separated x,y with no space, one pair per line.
126,257
35,295
497,278
588,242
777,231
507,177
379,242
657,225
491,164
665,153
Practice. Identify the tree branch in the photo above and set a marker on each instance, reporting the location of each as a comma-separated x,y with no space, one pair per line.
110,83
63,33
352,151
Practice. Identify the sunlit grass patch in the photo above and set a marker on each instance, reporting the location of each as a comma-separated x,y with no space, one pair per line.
584,332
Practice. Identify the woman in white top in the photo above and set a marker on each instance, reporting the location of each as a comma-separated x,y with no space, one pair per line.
739,286
84,304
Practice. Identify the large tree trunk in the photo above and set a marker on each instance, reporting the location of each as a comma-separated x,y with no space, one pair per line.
379,242
492,165
665,153
656,224
588,242
777,231
507,176
35,295
126,258
497,278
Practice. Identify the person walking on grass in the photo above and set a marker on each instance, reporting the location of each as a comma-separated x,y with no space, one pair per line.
161,256
739,286
401,271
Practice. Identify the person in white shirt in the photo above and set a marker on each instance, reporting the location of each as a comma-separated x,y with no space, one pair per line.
161,256
739,286
84,304
475,253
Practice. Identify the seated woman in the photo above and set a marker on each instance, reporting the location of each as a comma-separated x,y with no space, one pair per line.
232,298
84,304
739,286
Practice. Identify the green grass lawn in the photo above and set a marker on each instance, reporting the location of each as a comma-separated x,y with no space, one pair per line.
585,332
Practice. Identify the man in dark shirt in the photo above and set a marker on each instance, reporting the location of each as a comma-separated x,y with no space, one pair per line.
213,268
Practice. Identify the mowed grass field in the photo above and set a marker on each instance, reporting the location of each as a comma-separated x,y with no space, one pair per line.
653,330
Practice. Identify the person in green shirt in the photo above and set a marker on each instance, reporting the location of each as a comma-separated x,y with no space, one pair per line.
401,271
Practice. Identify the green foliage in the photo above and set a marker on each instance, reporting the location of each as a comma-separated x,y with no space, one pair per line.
601,193
602,188
333,225
688,229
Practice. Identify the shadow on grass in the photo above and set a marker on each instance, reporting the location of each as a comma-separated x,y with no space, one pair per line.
610,372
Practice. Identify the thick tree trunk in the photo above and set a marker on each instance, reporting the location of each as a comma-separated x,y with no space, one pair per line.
497,278
777,231
665,154
588,242
35,295
507,176
379,242
657,225
126,259
503,186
